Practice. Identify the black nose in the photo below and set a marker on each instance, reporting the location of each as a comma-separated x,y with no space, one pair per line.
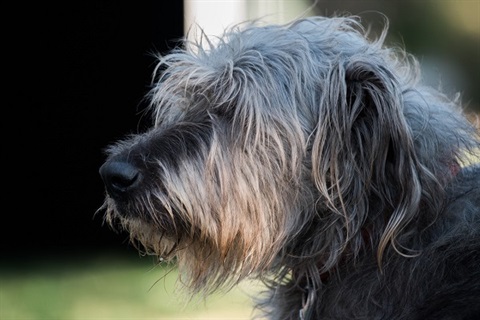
119,177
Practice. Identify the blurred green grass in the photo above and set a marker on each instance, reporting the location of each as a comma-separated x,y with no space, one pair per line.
109,287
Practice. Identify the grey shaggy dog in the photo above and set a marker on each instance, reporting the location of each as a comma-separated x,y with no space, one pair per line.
313,158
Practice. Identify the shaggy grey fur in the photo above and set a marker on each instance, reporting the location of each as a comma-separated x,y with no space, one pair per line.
313,158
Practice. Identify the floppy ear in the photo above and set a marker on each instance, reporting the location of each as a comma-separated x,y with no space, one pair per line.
363,157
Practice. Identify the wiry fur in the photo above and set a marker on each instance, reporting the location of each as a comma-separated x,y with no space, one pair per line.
310,157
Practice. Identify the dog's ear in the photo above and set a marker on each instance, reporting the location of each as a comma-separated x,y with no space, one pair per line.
363,157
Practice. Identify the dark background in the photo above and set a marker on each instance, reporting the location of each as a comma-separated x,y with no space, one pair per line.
75,74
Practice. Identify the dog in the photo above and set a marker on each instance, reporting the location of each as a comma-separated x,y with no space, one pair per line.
314,158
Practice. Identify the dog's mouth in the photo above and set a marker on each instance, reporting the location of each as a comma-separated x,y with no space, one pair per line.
131,211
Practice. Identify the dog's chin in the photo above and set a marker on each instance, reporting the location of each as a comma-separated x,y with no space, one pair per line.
147,237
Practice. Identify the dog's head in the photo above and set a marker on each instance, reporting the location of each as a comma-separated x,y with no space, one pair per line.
277,147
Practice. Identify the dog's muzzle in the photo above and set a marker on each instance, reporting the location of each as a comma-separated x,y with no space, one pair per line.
120,178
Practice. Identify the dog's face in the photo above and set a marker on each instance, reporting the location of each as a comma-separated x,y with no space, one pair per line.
267,148
221,177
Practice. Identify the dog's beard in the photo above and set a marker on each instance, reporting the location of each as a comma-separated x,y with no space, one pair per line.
217,237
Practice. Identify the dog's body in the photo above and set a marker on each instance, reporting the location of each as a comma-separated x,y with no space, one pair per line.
312,158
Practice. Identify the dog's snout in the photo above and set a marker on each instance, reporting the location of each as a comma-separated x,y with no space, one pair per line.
119,177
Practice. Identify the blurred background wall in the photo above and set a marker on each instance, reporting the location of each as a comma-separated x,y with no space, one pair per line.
77,72
444,35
